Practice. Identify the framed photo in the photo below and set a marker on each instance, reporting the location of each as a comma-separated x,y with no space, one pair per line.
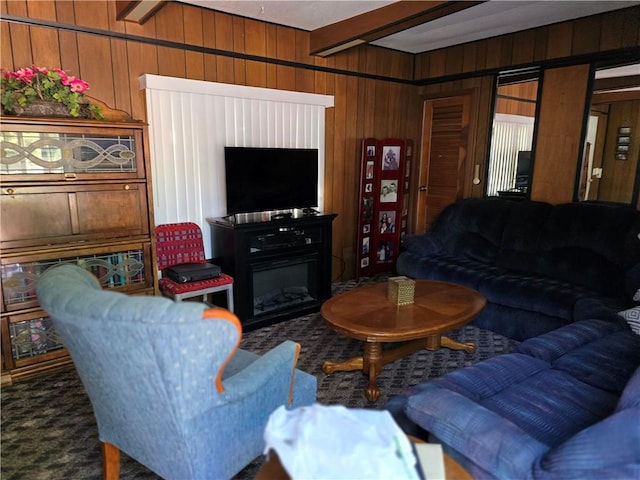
365,246
367,208
369,170
621,156
387,222
384,252
371,150
390,158
368,187
388,191
622,148
366,228
364,262
623,140
624,131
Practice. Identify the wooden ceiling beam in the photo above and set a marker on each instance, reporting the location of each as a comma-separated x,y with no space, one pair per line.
380,23
138,11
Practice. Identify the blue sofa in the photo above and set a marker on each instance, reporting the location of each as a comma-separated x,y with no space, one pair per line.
566,404
540,266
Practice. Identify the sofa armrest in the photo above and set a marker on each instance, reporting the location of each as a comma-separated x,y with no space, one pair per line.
483,437
421,244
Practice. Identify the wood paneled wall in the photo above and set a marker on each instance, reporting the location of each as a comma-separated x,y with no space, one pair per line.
585,36
374,96
619,176
474,65
374,88
517,99
558,139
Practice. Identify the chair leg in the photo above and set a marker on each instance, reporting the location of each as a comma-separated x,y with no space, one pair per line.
110,462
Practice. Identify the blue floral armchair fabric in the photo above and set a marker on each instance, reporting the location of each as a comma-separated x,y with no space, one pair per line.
167,382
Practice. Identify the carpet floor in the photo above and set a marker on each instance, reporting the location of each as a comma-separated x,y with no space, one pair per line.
48,430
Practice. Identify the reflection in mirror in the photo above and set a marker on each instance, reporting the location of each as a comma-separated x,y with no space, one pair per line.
609,170
510,158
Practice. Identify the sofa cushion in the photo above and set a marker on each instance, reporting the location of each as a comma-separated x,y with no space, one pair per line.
551,346
601,308
488,440
631,395
571,249
521,236
533,293
472,228
450,268
549,404
583,350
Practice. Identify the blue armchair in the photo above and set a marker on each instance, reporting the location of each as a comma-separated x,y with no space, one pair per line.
167,382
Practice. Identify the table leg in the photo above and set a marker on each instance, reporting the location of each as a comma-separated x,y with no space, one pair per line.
469,347
354,363
373,363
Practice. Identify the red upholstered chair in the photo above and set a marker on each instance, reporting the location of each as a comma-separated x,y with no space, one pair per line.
178,243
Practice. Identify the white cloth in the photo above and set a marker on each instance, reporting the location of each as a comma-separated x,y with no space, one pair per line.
329,442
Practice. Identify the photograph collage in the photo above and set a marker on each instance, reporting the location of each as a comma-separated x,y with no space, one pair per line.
383,203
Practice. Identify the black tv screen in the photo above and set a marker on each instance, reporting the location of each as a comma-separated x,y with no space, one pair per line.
524,162
263,179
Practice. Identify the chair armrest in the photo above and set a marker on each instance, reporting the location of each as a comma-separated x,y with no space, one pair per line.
273,372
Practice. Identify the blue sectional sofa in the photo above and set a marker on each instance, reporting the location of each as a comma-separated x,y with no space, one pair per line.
566,404
540,266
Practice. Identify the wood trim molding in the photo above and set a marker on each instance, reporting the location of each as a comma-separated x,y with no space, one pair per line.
138,11
379,23
611,97
616,83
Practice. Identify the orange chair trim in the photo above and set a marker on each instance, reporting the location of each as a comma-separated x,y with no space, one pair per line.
220,313
293,372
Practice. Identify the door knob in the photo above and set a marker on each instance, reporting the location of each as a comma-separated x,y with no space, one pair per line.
476,175
422,188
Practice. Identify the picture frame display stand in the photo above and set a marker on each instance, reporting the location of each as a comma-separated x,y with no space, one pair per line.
383,203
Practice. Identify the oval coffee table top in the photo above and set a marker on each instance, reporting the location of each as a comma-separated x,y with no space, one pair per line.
365,313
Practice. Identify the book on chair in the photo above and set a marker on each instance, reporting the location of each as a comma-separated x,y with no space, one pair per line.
192,272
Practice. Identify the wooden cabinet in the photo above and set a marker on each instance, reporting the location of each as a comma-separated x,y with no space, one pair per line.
71,191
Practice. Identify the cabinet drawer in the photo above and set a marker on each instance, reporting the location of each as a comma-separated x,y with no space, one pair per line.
47,215
126,267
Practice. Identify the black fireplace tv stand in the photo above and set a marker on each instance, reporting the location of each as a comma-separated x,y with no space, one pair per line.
281,267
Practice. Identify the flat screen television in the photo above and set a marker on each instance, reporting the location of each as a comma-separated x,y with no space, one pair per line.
264,179
523,168
524,162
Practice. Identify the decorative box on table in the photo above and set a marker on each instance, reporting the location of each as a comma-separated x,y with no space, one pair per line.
401,290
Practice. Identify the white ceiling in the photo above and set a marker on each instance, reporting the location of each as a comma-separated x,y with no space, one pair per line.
488,19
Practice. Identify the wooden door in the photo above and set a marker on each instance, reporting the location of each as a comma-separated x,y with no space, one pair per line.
445,140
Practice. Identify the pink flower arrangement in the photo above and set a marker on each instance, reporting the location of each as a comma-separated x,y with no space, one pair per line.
22,87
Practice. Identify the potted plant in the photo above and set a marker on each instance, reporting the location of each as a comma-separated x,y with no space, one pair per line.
39,91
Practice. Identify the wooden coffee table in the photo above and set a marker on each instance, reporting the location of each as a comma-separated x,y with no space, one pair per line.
366,314
273,469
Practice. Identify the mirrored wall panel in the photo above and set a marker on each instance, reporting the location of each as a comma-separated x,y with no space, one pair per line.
511,158
609,165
